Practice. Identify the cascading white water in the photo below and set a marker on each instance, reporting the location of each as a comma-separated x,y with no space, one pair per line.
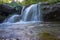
30,14
13,19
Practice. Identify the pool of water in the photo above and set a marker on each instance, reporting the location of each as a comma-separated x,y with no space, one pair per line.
27,31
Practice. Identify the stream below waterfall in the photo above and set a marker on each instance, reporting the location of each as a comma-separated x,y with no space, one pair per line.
27,31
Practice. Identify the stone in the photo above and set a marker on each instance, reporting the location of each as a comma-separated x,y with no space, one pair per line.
6,10
51,12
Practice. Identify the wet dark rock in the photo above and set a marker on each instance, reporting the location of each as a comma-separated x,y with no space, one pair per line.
19,9
6,10
45,3
51,12
58,3
17,39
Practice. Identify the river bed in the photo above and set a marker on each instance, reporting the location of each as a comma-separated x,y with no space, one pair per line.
27,32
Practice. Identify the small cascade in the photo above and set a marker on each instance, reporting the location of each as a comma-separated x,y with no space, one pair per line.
13,19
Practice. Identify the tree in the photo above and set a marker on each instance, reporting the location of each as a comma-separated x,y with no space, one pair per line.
29,2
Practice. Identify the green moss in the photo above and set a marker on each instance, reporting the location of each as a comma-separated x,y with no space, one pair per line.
47,36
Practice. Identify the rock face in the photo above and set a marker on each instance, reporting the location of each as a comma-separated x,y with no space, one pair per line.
6,10
51,12
19,9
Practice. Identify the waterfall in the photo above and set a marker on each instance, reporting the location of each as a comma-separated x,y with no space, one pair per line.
29,14
32,13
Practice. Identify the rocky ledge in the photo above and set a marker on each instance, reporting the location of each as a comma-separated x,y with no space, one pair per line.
6,10
51,12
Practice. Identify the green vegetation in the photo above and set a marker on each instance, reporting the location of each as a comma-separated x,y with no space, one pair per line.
4,1
29,2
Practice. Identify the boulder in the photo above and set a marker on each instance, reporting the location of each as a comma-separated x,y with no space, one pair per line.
51,12
6,10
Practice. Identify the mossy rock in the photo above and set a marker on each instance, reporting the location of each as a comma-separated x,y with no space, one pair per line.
47,36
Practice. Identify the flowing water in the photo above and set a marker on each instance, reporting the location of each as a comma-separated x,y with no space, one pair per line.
31,13
19,26
24,26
